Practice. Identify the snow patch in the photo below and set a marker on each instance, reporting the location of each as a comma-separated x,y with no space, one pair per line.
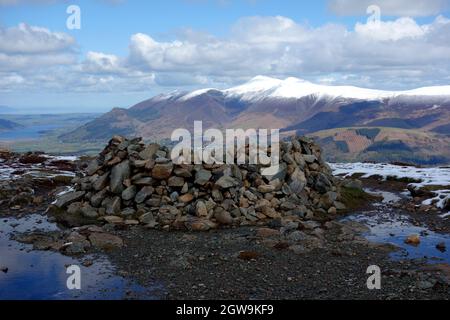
438,176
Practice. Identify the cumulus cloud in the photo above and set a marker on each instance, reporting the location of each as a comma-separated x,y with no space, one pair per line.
396,54
409,8
280,46
29,39
28,47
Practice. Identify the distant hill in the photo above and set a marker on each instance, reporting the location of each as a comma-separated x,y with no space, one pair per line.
296,107
8,125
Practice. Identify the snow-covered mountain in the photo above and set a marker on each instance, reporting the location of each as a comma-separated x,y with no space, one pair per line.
293,106
261,87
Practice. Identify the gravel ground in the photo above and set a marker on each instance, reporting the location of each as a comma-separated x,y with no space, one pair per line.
209,266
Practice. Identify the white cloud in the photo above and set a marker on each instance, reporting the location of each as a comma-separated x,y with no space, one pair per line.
28,47
279,46
395,54
401,28
409,8
29,39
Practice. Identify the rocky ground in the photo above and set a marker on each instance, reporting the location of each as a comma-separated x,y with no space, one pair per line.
282,259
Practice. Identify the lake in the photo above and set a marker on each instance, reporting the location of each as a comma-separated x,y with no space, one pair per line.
28,133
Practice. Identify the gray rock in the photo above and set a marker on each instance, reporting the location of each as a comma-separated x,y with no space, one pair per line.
201,209
183,172
68,198
112,206
101,182
93,167
89,212
149,152
145,181
129,193
176,182
96,199
143,194
227,182
310,158
147,218
297,181
128,212
74,208
202,177
119,173
322,183
250,196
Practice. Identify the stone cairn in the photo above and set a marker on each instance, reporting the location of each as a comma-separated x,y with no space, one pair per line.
131,183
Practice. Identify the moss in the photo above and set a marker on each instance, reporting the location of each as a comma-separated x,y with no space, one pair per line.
354,198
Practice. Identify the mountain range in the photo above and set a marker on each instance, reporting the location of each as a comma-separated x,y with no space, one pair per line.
351,123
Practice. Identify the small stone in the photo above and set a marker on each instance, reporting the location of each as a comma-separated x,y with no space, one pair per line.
248,255
267,233
223,217
113,219
309,158
128,212
162,171
266,188
147,218
332,211
176,182
105,241
146,181
413,240
97,199
182,172
149,152
143,194
201,209
186,198
227,182
89,212
202,177
68,198
129,193
113,205
441,247
131,222
101,182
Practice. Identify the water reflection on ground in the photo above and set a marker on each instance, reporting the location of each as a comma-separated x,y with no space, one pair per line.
39,275
388,226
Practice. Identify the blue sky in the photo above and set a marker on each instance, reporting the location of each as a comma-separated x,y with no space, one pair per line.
108,27
130,50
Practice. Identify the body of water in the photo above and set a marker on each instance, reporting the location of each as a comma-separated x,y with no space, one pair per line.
41,275
28,133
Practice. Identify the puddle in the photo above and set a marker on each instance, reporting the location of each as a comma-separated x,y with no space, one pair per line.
387,226
41,275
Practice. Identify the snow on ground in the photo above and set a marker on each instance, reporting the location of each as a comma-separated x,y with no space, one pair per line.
13,171
438,176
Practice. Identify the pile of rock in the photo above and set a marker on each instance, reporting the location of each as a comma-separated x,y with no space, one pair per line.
132,183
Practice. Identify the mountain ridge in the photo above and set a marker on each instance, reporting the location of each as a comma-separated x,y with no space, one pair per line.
292,105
